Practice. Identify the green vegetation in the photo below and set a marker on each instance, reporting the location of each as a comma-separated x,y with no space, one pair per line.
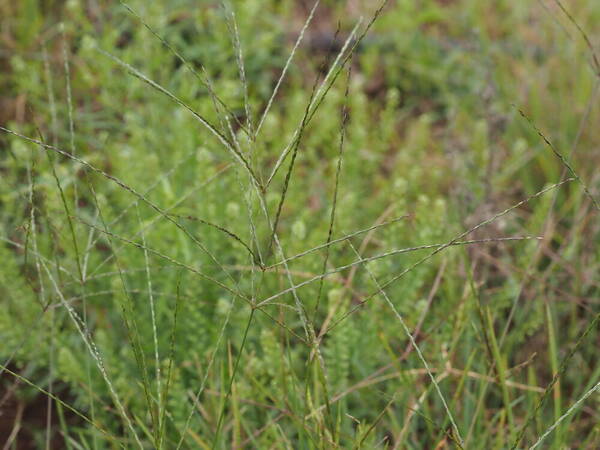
250,225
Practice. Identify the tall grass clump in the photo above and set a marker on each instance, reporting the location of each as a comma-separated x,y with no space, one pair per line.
307,225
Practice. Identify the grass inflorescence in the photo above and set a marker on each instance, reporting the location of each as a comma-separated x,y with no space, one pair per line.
299,224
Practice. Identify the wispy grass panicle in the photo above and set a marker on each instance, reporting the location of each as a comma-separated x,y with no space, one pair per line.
174,271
